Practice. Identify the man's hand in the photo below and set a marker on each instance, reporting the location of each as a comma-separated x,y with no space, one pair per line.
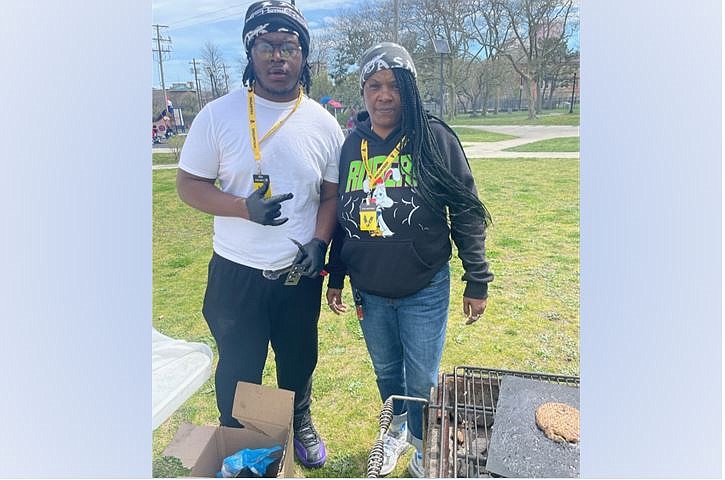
266,211
311,257
473,308
334,301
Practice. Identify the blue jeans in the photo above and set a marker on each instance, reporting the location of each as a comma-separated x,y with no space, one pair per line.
405,339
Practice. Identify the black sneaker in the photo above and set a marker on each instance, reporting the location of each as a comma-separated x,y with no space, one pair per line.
309,447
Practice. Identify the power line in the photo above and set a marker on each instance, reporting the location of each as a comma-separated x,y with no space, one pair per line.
204,14
183,22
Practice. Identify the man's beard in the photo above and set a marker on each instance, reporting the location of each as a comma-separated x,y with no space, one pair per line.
276,90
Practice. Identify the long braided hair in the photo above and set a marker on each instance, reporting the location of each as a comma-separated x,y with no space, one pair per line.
436,185
305,78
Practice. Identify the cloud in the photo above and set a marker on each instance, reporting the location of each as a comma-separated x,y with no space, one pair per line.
192,23
179,14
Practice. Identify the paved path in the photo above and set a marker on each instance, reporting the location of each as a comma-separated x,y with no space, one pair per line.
526,134
164,167
161,149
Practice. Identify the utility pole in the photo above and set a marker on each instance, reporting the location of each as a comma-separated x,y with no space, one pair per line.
396,20
573,87
161,52
212,80
226,78
196,81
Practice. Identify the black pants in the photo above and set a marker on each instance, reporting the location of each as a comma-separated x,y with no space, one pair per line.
245,312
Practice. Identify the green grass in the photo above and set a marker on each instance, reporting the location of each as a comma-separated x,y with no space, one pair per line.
175,143
475,135
547,117
531,323
163,159
561,144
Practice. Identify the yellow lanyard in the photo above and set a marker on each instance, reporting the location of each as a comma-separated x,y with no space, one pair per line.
253,125
383,166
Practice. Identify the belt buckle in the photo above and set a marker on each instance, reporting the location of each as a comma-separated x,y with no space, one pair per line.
293,277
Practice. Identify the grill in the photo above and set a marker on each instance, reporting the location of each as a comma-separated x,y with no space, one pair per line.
458,420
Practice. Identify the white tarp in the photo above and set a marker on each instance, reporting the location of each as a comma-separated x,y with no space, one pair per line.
178,368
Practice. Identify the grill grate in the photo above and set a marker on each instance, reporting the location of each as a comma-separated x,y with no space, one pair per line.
460,416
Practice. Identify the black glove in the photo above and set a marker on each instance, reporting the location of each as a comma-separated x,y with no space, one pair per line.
311,257
266,211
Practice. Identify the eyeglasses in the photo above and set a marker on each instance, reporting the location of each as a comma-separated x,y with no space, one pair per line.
266,50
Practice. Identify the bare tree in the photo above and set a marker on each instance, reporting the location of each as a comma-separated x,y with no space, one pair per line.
529,33
322,49
484,81
446,19
355,30
213,69
489,41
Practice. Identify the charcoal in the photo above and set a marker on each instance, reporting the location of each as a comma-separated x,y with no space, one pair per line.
479,445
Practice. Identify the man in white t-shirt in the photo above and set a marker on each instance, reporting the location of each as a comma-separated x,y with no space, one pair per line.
274,153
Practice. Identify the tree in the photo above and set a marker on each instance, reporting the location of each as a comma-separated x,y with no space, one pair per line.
352,33
529,33
213,69
557,70
494,44
446,19
355,30
322,48
484,80
241,63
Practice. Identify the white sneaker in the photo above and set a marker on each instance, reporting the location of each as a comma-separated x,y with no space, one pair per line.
394,445
415,467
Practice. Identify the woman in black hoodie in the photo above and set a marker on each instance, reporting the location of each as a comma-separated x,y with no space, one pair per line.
405,189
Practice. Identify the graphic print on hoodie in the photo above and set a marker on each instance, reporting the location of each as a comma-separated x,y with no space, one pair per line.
412,242
398,175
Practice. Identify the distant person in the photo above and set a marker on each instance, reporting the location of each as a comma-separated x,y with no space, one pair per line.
405,189
352,121
155,133
282,189
167,124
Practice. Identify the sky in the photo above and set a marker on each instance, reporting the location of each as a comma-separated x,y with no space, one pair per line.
192,23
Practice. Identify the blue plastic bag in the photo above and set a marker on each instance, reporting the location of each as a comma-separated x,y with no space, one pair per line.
256,460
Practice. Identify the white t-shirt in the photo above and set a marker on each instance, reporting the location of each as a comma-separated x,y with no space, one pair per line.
297,157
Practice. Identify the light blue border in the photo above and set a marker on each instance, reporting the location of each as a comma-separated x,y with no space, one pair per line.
75,247
76,242
651,239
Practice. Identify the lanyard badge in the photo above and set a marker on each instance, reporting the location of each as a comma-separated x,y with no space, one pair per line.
368,216
368,207
258,178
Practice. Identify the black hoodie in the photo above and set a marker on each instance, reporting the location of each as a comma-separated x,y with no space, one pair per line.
415,242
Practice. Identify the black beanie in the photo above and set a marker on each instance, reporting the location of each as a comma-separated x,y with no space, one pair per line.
384,56
274,16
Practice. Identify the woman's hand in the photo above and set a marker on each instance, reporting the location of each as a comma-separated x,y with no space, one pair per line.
334,301
473,308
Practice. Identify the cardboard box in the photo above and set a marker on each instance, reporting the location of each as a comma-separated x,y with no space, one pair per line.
266,414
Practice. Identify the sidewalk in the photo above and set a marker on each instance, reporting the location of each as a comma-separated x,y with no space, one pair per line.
526,134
